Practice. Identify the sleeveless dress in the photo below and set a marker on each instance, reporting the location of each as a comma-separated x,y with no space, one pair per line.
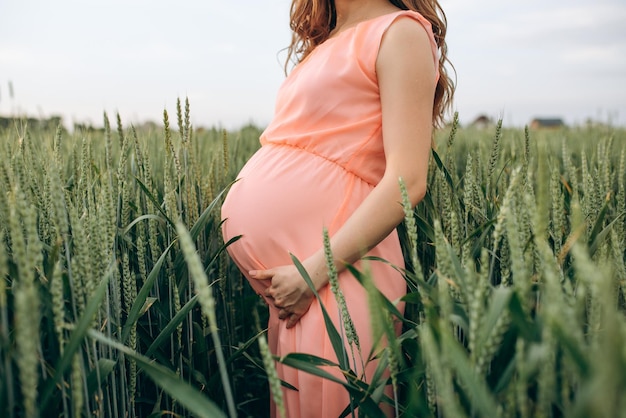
320,157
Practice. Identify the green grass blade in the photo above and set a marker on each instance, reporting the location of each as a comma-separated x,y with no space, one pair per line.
75,341
156,204
500,300
525,326
385,302
207,303
144,292
139,219
98,375
200,225
573,349
599,235
333,334
506,376
443,169
311,364
477,391
425,226
185,394
167,331
220,251
205,217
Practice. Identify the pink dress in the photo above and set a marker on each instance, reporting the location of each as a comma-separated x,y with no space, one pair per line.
320,157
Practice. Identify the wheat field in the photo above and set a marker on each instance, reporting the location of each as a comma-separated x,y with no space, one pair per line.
117,298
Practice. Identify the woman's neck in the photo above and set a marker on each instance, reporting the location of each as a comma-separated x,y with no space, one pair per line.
351,12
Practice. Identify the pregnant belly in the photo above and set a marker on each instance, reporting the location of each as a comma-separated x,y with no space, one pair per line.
283,199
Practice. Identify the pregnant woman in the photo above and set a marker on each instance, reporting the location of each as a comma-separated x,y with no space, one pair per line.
354,115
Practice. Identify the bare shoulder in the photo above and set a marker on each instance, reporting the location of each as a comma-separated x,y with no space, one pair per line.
406,32
406,41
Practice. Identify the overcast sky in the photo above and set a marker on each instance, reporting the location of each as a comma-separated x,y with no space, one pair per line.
78,58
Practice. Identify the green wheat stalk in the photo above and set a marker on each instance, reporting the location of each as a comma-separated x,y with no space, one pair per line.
333,279
207,304
26,298
411,227
272,375
493,160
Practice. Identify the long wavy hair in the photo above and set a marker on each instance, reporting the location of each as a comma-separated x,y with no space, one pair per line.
312,21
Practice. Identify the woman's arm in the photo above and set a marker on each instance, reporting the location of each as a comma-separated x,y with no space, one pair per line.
406,78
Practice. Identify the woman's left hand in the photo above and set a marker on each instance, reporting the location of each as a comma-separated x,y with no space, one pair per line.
288,291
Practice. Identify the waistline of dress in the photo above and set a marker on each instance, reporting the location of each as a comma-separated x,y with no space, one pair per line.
308,151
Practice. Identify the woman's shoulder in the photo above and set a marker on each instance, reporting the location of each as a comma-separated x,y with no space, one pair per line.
403,23
401,27
387,19
408,27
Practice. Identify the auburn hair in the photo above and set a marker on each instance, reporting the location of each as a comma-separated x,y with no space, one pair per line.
312,21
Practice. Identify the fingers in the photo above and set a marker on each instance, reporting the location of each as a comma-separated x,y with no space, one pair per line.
261,274
269,293
293,320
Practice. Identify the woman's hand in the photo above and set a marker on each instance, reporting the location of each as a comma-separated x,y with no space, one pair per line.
288,291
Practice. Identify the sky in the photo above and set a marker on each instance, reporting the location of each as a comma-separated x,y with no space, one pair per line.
514,59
